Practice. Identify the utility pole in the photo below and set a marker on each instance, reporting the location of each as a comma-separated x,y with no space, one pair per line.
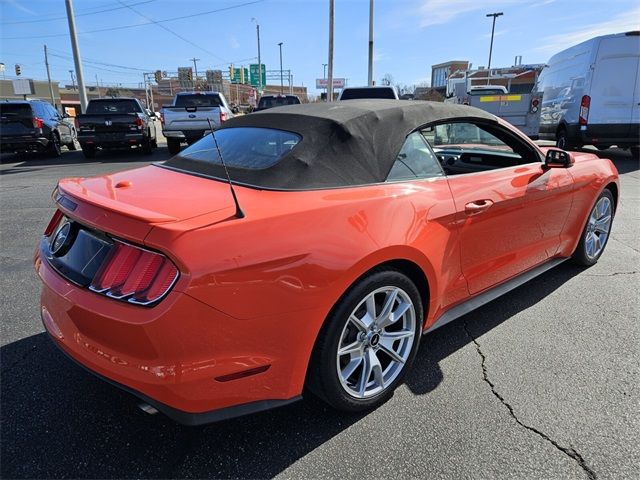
290,83
46,62
330,61
493,27
195,67
76,56
98,87
324,76
73,80
259,60
370,81
281,80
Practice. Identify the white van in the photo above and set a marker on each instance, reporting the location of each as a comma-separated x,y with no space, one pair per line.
591,94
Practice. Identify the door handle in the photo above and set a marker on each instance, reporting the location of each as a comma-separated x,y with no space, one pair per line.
478,206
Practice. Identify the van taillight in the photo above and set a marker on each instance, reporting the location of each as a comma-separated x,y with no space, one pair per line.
584,109
223,116
134,275
37,122
53,223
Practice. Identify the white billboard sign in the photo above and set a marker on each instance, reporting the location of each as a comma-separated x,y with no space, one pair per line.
22,86
324,83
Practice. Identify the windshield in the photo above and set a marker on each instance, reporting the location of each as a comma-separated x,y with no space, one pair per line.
354,93
12,110
486,91
198,100
269,102
243,147
113,106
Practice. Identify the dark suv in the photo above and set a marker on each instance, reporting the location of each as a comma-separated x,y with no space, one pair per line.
34,126
270,101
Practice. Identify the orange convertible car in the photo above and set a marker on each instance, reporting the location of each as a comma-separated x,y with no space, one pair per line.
358,226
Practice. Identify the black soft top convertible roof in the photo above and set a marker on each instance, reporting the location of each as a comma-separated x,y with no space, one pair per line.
343,143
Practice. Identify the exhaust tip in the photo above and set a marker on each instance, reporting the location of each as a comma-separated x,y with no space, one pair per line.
146,408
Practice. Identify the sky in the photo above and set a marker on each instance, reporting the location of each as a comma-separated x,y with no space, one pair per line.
410,35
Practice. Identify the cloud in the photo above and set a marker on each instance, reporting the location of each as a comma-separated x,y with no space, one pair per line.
20,7
437,12
541,3
499,33
622,22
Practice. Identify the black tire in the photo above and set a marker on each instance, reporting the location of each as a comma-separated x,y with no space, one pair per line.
323,378
147,147
72,146
635,152
88,151
563,140
54,148
173,145
581,255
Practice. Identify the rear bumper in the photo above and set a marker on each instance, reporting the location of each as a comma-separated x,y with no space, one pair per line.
111,140
184,134
177,356
23,144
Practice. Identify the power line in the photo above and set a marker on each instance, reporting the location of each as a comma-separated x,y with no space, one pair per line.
151,22
77,15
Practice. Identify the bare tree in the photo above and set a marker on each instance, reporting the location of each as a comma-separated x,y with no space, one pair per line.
387,80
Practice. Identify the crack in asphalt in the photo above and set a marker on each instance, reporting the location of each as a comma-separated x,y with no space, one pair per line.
570,452
610,274
624,244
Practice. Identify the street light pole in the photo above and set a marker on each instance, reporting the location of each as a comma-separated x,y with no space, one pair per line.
259,60
195,67
370,81
324,76
493,28
76,56
281,79
330,61
46,63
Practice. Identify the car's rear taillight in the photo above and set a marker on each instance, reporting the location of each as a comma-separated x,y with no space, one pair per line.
139,122
223,116
53,223
162,118
535,103
76,123
134,275
37,122
585,103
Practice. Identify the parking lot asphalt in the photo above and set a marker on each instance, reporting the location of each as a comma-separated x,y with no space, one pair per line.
541,383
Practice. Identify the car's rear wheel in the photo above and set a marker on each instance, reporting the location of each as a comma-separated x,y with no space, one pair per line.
89,151
597,230
55,150
173,145
368,342
564,141
147,147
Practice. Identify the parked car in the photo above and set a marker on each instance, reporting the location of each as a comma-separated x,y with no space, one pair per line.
270,101
113,123
187,118
592,94
350,229
34,126
378,91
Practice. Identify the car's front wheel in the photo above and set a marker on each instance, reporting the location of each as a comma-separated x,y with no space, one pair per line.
368,342
173,145
596,232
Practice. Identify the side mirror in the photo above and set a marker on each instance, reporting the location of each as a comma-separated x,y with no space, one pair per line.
557,158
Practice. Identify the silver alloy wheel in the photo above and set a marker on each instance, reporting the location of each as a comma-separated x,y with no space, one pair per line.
598,228
376,342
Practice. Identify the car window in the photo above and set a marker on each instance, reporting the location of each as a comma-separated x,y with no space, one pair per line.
463,147
113,106
15,110
355,93
415,160
198,100
243,147
270,102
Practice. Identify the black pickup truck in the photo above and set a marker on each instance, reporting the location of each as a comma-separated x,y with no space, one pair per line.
116,123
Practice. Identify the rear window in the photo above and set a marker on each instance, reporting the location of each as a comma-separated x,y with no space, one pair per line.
196,100
113,106
355,93
243,147
15,110
269,102
486,91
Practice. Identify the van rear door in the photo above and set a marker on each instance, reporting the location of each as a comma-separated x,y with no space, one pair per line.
613,84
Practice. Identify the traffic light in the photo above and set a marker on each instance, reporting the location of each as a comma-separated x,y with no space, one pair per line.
18,70
158,76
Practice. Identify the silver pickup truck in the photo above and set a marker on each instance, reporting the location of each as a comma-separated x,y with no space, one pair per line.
187,119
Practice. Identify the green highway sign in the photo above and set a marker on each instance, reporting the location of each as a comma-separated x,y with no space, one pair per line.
254,75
